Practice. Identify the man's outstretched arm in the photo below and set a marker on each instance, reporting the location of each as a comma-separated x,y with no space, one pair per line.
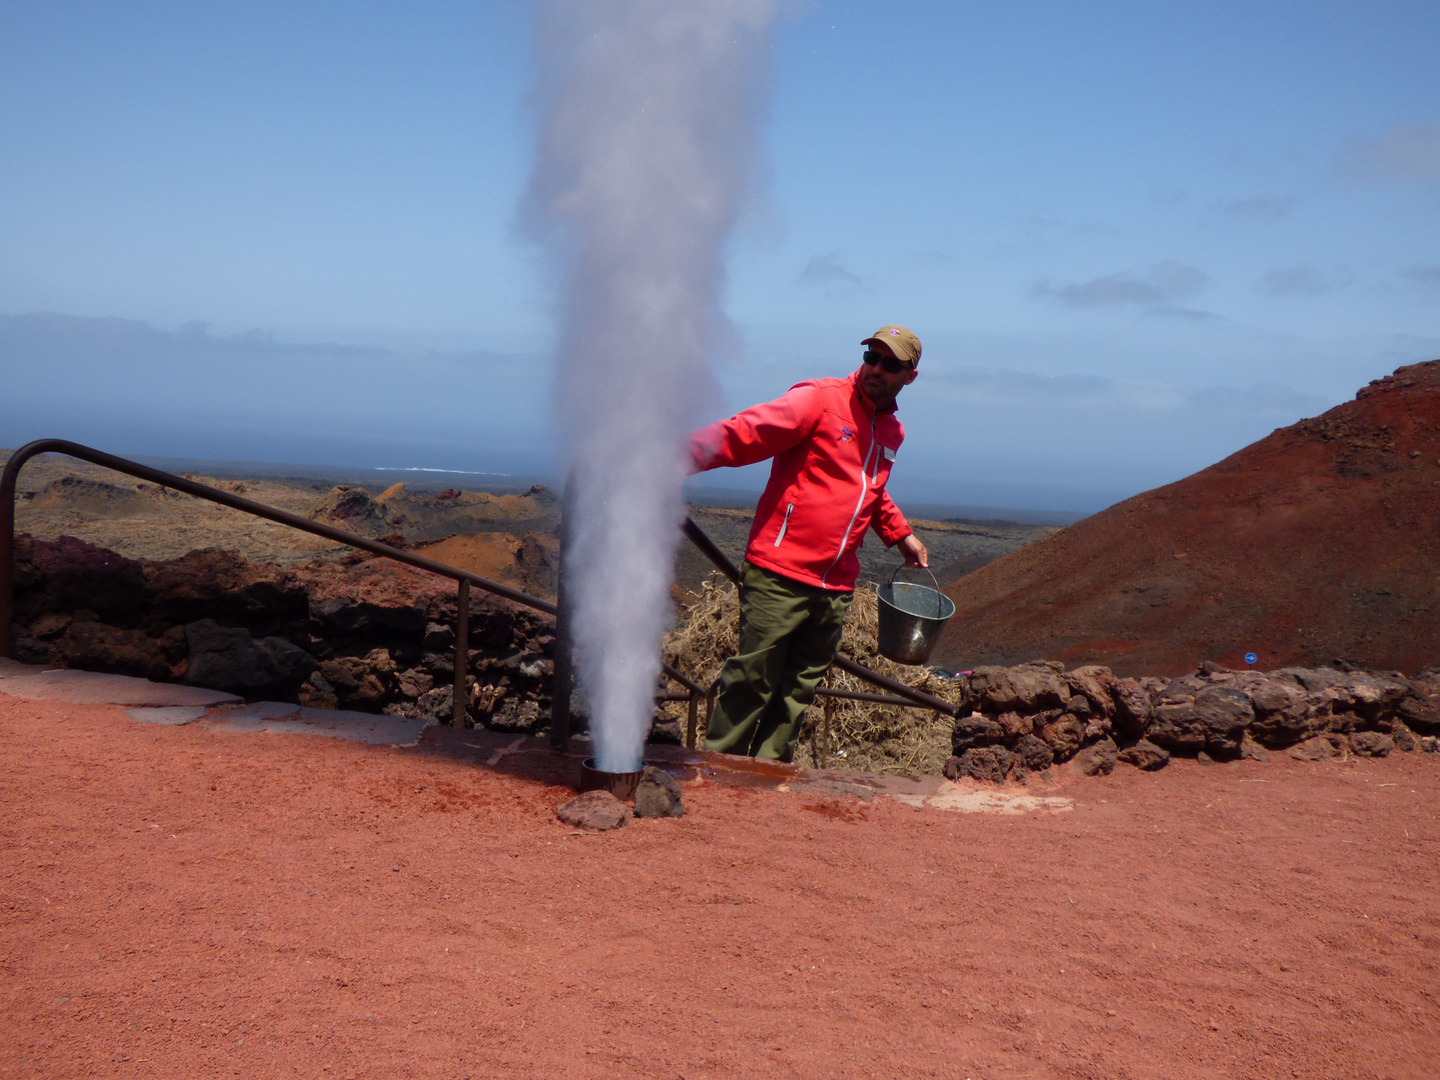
757,433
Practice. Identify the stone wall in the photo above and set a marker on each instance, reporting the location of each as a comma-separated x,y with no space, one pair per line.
1026,718
358,633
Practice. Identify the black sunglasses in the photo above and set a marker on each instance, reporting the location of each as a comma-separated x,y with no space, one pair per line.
889,363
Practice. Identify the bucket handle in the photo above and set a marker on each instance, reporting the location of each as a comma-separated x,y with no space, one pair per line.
939,604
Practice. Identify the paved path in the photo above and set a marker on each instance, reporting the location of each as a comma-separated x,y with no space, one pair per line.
172,705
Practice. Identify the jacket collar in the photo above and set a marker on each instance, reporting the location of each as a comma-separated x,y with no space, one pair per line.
865,402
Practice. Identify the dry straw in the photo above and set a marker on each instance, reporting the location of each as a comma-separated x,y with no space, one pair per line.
835,733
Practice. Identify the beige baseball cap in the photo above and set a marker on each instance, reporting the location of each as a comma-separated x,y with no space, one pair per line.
900,341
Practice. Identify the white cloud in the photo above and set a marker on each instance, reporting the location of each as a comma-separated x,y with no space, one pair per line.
1295,281
1259,207
828,272
1405,153
1158,287
1427,276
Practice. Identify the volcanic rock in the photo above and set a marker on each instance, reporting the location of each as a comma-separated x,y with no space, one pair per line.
361,683
1034,754
1063,736
665,729
975,730
1132,708
352,509
228,658
1421,710
212,583
95,646
515,715
1215,719
1145,755
1097,684
1320,539
1013,725
1320,748
598,810
437,706
658,795
1402,736
992,763
1252,751
342,618
1371,744
1097,759
1026,688
69,575
317,693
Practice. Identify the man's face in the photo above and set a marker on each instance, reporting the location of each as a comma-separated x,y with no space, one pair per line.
879,385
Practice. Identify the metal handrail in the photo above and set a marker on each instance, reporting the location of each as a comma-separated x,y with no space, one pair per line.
464,578
224,498
908,696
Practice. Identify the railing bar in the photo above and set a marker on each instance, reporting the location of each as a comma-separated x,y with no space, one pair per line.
707,548
870,675
235,502
877,699
683,679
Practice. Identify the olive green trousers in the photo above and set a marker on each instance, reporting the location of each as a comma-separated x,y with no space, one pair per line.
789,632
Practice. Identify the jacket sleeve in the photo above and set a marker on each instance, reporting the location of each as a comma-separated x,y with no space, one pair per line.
888,522
759,432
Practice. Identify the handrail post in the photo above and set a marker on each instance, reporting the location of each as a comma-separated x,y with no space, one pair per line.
462,654
691,727
7,554
562,683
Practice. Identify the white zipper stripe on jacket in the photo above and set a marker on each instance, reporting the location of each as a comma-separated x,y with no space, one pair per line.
784,524
864,487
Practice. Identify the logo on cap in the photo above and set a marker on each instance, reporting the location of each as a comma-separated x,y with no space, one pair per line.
894,333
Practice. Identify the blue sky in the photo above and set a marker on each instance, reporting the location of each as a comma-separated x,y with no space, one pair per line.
1133,237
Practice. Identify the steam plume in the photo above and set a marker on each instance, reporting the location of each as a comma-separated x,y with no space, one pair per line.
646,143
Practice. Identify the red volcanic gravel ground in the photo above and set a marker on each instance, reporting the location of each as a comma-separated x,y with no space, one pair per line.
182,903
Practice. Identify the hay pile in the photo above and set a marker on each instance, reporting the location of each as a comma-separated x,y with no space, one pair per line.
855,734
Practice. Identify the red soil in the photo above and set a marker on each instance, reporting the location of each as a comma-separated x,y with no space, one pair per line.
1319,541
175,902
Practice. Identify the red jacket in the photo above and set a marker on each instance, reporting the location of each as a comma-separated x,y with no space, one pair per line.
832,454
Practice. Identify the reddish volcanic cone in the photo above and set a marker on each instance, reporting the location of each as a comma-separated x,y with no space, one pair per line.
1320,541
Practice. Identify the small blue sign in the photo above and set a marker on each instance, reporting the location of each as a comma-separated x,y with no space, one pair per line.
1250,658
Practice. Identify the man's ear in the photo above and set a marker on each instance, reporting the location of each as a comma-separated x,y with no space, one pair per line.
911,377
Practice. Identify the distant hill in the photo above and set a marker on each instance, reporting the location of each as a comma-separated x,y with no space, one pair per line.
1320,541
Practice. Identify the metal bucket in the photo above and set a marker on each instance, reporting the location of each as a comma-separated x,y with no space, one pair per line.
911,618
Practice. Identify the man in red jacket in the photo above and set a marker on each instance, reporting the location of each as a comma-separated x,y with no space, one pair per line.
833,442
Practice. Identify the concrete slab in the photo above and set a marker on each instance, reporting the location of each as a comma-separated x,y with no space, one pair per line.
377,730
261,710
10,668
963,799
94,688
170,716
